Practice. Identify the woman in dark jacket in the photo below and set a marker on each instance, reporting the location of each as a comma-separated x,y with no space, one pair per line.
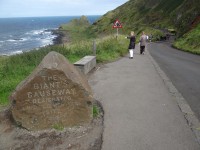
131,46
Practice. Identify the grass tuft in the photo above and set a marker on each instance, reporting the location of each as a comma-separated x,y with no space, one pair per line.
58,127
96,111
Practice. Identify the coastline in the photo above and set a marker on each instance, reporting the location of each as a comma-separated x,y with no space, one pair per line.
17,37
62,36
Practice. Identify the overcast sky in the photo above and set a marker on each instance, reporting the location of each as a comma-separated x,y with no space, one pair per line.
32,8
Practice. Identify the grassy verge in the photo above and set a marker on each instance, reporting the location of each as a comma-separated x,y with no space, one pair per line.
14,69
190,41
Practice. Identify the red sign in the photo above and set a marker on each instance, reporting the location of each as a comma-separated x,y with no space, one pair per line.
117,24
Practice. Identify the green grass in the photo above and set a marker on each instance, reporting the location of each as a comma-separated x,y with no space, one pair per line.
58,127
96,111
111,48
190,41
16,68
169,5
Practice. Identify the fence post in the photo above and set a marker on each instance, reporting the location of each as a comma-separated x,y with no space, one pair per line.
94,48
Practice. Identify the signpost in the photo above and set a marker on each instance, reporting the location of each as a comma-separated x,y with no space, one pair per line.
117,25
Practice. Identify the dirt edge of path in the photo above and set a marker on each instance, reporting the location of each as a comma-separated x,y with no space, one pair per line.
86,137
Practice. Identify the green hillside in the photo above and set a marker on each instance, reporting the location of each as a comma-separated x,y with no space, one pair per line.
137,14
151,16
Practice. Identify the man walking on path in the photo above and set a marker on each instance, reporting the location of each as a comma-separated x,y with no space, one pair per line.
140,113
143,41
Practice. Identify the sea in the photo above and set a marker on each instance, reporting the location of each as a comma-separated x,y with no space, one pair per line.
18,35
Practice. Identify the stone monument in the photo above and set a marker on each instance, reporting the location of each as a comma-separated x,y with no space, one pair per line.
55,94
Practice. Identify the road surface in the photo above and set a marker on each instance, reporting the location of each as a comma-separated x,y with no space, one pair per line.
182,68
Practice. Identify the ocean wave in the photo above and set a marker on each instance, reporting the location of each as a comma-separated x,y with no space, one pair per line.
17,39
29,40
39,32
11,53
46,42
34,32
16,52
25,39
11,40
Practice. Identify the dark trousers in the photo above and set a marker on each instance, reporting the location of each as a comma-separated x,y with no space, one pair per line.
142,48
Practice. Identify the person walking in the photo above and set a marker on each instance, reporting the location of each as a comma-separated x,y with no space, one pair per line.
131,46
143,41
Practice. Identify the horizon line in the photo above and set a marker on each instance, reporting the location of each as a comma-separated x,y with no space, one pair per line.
46,16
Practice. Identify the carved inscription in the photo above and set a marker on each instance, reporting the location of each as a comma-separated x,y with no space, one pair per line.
51,93
51,90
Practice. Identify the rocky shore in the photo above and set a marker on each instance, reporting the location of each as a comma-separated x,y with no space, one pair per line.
62,36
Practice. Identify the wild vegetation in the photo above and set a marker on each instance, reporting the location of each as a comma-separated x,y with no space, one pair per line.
190,41
77,29
14,69
155,17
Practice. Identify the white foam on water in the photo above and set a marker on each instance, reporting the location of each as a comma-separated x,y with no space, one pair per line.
25,39
11,53
43,37
46,41
17,39
11,40
16,52
36,32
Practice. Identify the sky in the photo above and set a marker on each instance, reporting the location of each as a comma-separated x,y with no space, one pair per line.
36,8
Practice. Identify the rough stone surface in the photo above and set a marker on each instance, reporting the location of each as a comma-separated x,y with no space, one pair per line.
86,137
56,94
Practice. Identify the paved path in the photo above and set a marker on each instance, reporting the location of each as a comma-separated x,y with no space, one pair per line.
140,113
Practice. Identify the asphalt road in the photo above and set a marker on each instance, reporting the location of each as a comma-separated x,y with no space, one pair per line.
182,68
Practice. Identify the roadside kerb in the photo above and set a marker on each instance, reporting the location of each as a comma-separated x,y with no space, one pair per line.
189,115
